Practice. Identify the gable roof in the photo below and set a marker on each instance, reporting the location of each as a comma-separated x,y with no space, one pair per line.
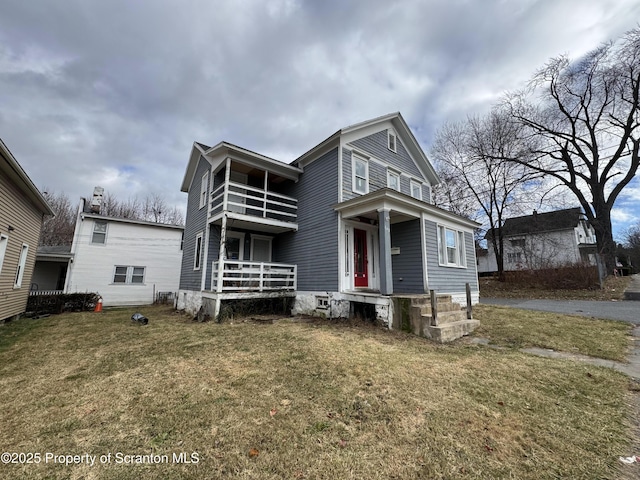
199,149
145,223
543,222
401,128
12,169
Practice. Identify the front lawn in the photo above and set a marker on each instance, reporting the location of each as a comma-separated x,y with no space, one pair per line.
296,400
516,328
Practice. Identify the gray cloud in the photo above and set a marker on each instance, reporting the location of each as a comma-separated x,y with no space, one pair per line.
114,93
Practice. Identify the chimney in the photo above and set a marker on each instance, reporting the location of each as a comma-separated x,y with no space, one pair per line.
96,201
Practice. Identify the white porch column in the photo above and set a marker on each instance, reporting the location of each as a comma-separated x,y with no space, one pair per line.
386,272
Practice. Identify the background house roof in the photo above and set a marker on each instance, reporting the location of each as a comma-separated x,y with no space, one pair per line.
17,175
543,222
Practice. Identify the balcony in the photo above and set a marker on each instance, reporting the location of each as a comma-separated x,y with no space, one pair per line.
251,206
253,276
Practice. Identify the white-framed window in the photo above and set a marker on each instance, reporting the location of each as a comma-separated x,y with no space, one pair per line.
99,234
197,254
128,274
393,180
261,248
21,265
360,167
416,189
4,240
451,248
203,189
392,141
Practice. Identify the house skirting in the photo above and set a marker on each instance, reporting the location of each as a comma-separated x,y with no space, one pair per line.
316,303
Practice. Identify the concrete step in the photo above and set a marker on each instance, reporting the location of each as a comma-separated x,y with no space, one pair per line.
450,331
446,317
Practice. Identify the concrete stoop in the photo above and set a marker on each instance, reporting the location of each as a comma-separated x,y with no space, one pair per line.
415,316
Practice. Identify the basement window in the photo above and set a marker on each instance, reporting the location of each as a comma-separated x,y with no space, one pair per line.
322,303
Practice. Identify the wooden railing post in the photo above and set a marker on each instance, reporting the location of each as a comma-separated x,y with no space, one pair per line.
434,308
469,312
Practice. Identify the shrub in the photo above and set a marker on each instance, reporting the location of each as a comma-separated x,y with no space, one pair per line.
61,302
567,277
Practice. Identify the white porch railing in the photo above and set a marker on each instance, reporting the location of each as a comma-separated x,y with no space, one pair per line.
256,202
253,276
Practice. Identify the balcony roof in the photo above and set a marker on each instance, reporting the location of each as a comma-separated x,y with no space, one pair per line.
238,154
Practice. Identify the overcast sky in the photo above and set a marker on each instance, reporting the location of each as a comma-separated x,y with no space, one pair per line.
114,93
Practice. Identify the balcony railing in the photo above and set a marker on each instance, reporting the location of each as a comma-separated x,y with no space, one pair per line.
253,201
253,276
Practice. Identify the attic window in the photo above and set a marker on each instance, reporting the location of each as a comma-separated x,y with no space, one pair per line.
391,140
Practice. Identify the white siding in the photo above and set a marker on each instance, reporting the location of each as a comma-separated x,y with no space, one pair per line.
153,247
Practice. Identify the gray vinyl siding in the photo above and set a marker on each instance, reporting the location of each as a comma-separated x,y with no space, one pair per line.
17,211
407,266
195,223
314,247
426,193
347,179
449,279
376,145
405,185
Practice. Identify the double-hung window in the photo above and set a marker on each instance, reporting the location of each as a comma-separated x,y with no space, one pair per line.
360,174
198,252
393,180
203,189
128,274
451,248
99,234
392,140
416,190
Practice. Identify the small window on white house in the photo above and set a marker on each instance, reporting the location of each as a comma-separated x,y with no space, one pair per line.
416,190
4,240
391,140
360,175
128,274
99,235
393,180
197,252
203,189
21,265
451,249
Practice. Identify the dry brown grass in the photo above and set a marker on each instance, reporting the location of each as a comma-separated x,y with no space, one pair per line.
613,290
298,400
516,328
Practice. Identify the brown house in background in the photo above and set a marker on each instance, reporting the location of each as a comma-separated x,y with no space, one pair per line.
22,209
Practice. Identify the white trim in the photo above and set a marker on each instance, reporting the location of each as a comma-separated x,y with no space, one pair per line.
364,160
4,241
22,263
261,237
129,275
197,255
346,250
384,164
340,172
423,247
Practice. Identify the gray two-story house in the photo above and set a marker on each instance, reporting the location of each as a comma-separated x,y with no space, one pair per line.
348,223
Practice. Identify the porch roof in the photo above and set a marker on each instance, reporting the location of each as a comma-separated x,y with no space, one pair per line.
402,207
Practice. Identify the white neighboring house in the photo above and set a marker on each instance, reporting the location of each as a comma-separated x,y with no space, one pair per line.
544,240
126,261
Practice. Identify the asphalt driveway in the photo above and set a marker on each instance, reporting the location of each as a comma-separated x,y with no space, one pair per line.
625,310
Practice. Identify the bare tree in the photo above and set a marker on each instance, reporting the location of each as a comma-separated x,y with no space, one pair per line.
582,119
58,230
470,154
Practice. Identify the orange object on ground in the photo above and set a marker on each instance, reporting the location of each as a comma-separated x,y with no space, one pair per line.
98,305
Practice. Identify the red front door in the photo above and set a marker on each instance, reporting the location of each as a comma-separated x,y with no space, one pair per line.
360,261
